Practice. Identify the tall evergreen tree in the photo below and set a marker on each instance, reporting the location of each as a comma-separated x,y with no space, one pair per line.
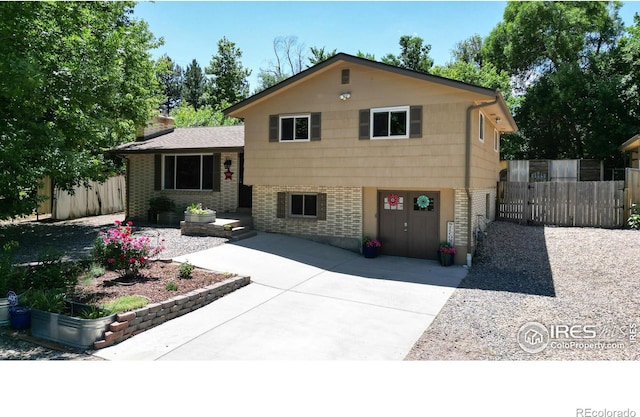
193,85
170,76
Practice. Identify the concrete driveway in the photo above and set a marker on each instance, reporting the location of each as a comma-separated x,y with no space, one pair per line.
307,301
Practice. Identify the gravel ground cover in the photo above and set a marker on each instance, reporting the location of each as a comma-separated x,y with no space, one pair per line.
75,238
555,276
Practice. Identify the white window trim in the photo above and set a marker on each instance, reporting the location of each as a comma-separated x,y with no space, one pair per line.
175,172
294,117
481,127
496,140
302,216
388,110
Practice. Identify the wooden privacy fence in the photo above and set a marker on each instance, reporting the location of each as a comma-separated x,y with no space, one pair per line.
98,198
583,203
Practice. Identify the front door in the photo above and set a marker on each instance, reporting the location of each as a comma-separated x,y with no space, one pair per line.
244,191
409,223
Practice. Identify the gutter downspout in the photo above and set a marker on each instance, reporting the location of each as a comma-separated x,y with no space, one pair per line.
467,172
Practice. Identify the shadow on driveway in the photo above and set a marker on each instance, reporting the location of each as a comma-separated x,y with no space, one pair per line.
333,259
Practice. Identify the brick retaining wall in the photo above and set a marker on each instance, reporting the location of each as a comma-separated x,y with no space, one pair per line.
134,322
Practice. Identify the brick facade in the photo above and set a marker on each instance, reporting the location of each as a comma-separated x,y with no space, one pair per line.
141,188
343,226
479,201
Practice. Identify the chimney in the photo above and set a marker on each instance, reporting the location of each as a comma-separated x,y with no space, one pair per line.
158,126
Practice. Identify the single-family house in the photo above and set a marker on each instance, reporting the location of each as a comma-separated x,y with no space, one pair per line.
186,165
353,147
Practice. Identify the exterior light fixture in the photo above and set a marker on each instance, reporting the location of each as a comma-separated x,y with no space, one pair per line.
227,164
345,96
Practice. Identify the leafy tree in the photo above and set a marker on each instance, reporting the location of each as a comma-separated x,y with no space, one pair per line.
187,116
565,59
229,78
170,76
370,57
289,60
193,85
76,78
469,51
319,54
414,55
542,36
629,58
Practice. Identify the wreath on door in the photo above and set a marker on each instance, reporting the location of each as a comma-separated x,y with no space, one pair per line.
423,201
393,200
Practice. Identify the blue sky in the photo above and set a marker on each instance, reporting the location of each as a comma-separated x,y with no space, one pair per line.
191,29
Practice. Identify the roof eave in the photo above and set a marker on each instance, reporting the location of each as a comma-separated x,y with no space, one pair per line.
178,150
631,145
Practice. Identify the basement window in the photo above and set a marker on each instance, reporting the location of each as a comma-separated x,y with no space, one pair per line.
304,205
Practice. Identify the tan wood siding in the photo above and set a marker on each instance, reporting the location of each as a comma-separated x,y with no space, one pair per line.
340,159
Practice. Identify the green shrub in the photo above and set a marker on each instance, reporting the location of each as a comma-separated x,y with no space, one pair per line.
12,277
51,300
52,272
634,219
185,270
171,286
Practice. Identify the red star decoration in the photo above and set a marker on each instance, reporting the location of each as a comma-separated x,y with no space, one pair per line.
228,174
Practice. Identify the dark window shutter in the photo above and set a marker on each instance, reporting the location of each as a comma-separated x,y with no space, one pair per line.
322,206
281,210
157,172
364,125
217,164
315,126
273,128
415,124
345,76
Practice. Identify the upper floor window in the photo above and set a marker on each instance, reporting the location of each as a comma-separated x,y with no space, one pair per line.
294,128
481,128
188,172
390,123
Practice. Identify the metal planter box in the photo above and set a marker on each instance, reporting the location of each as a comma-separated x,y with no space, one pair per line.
209,217
71,331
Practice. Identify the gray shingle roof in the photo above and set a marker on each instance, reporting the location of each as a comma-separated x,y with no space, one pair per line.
189,138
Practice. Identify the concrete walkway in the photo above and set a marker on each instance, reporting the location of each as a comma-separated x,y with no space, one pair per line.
307,301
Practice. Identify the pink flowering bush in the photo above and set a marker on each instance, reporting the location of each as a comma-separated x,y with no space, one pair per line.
118,250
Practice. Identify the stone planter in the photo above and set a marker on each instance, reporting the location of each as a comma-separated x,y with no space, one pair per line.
71,331
208,217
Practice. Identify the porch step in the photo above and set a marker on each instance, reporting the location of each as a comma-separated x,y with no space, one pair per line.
232,226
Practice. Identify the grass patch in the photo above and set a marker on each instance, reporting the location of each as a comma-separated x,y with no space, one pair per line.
91,272
126,303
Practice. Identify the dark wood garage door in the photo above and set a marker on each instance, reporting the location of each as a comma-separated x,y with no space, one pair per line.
409,223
